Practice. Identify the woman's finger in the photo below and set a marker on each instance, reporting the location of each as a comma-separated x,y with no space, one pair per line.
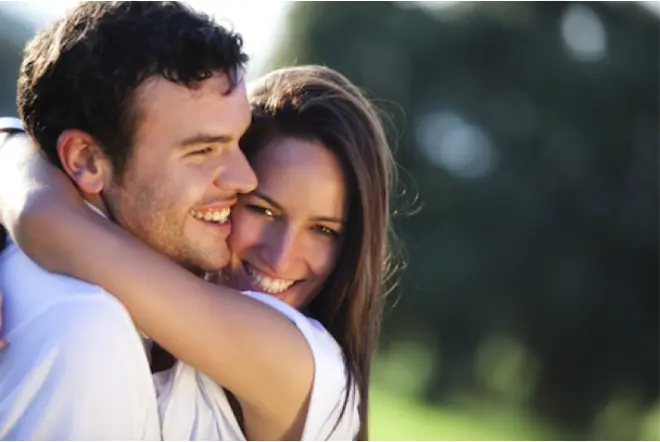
3,343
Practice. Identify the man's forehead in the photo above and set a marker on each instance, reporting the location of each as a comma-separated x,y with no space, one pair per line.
161,99
166,109
158,86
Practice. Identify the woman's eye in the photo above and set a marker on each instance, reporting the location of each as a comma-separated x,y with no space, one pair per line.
261,210
327,231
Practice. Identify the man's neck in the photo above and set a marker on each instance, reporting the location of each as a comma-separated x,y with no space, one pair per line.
103,214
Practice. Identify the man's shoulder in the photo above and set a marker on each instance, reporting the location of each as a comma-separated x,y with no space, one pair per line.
81,338
43,302
94,312
31,285
78,324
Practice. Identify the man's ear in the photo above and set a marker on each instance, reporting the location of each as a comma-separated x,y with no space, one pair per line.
83,160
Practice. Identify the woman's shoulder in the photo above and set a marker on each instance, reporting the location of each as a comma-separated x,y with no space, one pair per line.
333,411
188,397
319,339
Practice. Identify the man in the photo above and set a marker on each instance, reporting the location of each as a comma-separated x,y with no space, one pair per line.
142,104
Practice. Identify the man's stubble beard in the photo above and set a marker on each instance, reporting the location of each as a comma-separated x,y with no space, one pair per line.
143,229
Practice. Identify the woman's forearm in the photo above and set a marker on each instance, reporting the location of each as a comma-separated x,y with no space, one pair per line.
28,181
246,346
243,344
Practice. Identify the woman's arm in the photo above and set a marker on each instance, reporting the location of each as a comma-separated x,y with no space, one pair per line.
244,345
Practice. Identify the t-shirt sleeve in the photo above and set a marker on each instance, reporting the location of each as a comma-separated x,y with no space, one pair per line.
11,124
332,414
78,372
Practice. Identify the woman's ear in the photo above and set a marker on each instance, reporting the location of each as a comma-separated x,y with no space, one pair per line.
83,160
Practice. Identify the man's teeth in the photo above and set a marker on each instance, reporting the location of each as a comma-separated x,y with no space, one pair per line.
215,216
266,283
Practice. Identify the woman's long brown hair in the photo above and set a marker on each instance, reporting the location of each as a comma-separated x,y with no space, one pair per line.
317,103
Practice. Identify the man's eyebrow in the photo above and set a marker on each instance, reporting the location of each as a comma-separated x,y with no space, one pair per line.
205,139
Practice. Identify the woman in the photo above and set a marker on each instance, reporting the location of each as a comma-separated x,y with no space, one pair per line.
312,237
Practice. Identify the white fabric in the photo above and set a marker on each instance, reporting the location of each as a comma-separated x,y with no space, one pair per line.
11,123
194,407
75,368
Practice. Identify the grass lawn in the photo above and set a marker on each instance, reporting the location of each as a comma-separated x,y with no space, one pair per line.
396,418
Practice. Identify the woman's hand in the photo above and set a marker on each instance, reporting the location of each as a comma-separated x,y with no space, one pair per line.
30,188
3,232
3,243
3,342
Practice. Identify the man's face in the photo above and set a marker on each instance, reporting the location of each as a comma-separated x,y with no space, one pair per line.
185,171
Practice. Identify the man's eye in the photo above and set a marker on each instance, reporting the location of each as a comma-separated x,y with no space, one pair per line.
203,151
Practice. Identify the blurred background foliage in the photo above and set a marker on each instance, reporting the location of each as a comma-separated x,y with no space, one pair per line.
528,131
527,135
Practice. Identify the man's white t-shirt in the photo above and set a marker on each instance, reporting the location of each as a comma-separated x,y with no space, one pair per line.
194,407
76,367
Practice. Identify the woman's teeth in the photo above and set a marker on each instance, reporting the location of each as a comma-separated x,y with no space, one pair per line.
214,216
266,283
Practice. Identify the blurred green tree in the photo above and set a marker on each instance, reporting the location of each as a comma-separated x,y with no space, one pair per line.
530,132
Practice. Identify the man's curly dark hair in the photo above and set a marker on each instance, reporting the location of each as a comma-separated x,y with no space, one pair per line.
83,70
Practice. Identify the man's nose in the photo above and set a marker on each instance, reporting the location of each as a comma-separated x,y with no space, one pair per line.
237,173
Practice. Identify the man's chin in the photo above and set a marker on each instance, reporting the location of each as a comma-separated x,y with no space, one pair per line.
201,265
214,264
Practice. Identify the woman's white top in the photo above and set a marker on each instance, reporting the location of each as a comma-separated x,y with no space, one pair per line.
194,407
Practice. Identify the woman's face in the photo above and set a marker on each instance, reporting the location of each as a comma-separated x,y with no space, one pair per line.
287,234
